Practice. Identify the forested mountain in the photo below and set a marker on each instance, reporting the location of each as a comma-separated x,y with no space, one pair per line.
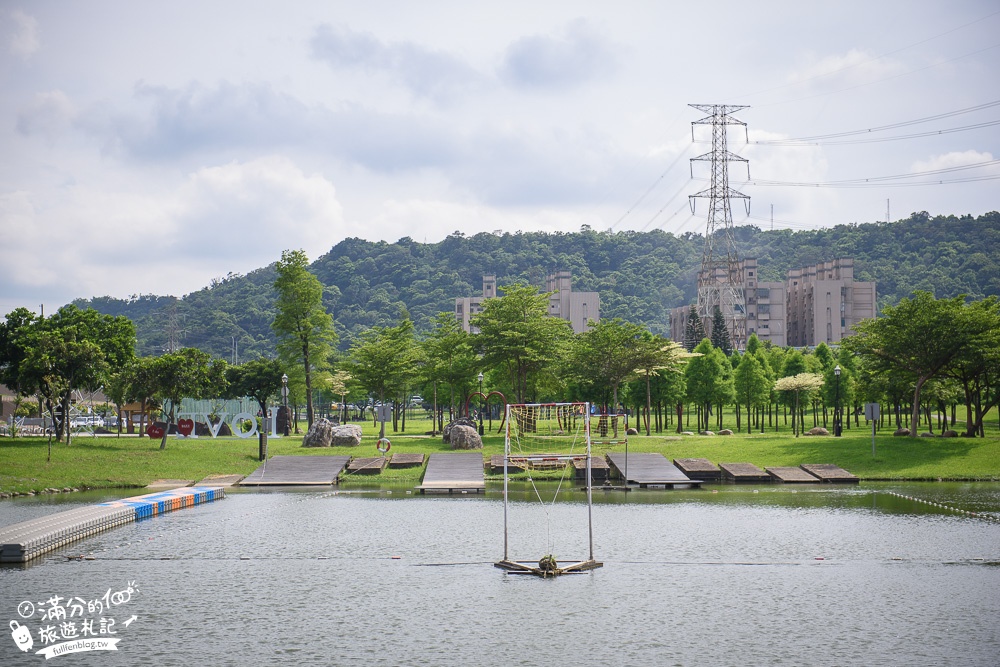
640,276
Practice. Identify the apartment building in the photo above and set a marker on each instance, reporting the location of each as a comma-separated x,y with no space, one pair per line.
577,308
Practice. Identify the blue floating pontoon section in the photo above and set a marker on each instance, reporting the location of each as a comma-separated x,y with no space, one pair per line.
24,541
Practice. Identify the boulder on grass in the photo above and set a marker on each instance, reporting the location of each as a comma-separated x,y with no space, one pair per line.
817,430
708,433
319,434
461,421
927,435
902,431
949,434
725,431
465,437
687,432
631,431
348,435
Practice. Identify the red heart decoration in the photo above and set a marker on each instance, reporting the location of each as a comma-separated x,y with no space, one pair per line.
154,431
185,426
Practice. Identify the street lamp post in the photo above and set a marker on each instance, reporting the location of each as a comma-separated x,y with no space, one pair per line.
284,399
481,407
836,409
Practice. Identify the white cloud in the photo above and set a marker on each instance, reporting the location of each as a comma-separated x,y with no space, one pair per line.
855,67
256,209
424,72
24,41
577,55
952,159
234,217
47,114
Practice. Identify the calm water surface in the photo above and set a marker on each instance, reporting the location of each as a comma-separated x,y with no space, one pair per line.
739,576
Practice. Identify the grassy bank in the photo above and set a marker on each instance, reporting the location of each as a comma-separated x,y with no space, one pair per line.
110,462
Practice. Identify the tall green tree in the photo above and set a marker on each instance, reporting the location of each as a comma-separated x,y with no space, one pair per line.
751,383
516,335
190,373
720,333
921,336
384,360
450,358
303,327
259,379
609,353
694,330
706,380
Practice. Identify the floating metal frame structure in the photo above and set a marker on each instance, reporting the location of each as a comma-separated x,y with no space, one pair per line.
527,567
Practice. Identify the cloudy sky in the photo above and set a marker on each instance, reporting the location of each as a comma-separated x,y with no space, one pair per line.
151,147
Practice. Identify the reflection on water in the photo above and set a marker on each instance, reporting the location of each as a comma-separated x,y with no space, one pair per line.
720,576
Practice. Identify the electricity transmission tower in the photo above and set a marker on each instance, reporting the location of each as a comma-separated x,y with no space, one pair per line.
720,281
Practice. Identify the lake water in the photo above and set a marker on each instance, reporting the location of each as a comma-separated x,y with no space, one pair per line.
726,575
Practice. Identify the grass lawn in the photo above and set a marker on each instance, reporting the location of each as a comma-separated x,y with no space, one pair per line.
108,461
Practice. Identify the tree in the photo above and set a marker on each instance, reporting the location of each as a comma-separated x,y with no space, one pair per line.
610,352
303,327
384,360
186,372
516,335
751,384
795,384
259,379
921,337
450,358
720,333
694,331
706,380
73,349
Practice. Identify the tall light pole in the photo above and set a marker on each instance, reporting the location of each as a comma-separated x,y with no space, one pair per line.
481,407
836,409
284,399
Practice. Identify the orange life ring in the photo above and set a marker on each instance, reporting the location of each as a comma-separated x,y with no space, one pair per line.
388,445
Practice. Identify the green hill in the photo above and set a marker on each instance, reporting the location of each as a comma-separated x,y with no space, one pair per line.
640,276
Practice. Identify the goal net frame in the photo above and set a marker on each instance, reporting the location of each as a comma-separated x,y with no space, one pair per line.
514,426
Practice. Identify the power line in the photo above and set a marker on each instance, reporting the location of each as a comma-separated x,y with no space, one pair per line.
890,126
651,188
880,180
898,137
870,60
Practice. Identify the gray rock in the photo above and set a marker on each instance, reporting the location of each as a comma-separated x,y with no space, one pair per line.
348,435
902,431
927,435
319,434
631,431
461,421
949,434
725,431
687,432
708,433
817,430
465,437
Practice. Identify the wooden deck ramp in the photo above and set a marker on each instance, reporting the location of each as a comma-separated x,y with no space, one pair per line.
298,471
650,469
743,473
827,472
791,475
454,473
702,469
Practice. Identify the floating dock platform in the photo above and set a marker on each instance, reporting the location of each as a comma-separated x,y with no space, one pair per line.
599,469
827,472
406,460
790,475
298,471
367,465
454,473
650,470
25,541
699,469
743,473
